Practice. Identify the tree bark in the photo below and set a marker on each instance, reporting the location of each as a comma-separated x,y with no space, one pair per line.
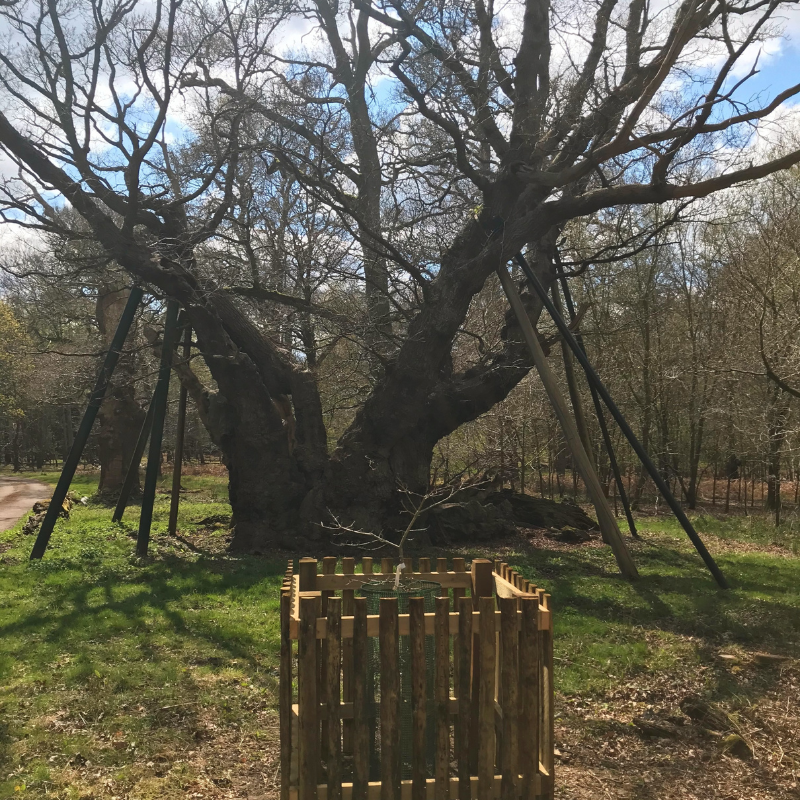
120,416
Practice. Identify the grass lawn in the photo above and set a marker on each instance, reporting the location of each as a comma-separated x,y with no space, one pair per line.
157,678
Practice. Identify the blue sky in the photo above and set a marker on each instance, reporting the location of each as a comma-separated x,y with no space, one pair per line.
777,72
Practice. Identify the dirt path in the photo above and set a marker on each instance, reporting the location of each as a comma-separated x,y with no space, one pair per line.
17,496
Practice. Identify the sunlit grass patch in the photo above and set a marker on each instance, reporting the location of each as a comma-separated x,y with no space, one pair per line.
160,675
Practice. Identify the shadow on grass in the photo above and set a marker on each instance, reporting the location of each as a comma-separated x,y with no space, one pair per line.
216,609
188,604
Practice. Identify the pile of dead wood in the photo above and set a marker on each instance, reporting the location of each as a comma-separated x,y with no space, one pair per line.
477,514
40,510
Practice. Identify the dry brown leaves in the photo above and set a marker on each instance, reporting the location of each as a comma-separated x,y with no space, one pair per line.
603,755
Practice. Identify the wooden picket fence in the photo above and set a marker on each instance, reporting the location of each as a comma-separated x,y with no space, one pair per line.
493,685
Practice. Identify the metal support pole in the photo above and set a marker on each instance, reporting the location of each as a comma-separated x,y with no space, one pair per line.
82,436
133,468
605,516
172,527
601,419
157,433
594,378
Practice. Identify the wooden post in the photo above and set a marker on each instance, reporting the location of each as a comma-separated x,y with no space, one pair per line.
307,573
390,699
387,566
366,565
463,654
605,516
486,736
424,565
441,566
548,702
333,692
416,621
177,461
509,700
442,695
307,697
458,566
529,701
482,586
285,693
328,568
360,700
348,596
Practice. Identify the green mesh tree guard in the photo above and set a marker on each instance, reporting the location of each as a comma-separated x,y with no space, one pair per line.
374,591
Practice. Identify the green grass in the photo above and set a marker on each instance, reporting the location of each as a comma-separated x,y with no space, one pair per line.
147,679
607,629
123,663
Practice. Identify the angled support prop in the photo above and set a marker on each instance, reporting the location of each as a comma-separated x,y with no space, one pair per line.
133,468
601,419
156,434
594,380
82,436
605,517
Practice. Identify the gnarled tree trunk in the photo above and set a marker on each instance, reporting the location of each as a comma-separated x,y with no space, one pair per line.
267,418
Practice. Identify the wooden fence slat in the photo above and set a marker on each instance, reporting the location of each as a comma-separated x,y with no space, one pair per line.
488,654
416,614
387,566
390,699
374,792
482,586
367,565
307,572
529,690
442,697
373,624
348,595
329,565
285,694
424,565
333,693
441,568
464,656
307,698
458,593
360,700
328,568
548,702
339,581
509,700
